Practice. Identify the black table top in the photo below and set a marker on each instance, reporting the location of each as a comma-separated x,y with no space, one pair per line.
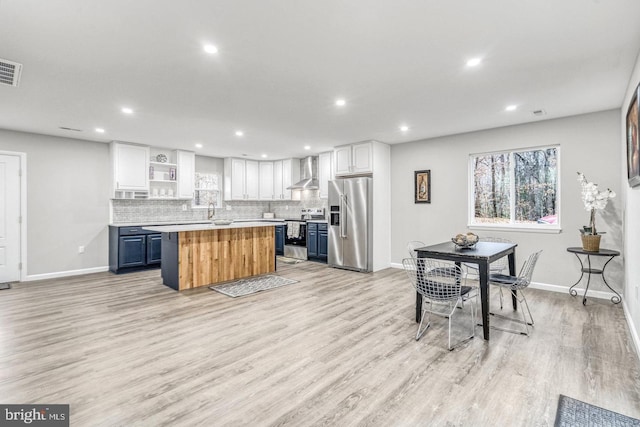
601,252
481,250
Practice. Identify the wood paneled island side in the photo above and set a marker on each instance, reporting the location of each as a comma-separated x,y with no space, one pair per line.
203,254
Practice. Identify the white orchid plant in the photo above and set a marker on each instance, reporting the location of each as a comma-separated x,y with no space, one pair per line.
593,200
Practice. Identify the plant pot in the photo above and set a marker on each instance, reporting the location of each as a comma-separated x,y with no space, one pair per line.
591,243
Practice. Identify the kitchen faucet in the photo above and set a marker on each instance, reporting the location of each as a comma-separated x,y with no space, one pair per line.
211,210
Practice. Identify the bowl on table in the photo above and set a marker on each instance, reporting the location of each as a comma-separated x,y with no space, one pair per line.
465,241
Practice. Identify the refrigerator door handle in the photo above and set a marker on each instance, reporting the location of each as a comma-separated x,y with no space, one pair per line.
343,214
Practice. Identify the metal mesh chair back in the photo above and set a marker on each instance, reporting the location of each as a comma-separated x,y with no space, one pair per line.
435,280
524,278
413,245
502,263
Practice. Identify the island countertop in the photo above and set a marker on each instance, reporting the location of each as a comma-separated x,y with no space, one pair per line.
209,226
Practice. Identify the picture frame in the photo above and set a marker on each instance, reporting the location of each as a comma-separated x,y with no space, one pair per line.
172,174
633,141
422,186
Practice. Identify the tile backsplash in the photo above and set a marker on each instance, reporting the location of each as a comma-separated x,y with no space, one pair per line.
145,211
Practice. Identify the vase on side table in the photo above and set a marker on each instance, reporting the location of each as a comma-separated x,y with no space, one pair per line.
591,242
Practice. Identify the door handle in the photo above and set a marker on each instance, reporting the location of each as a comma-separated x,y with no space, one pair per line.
343,216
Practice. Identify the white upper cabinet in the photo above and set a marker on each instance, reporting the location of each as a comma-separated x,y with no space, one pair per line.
342,160
130,166
290,175
285,173
186,163
252,180
324,174
354,159
241,179
266,184
277,180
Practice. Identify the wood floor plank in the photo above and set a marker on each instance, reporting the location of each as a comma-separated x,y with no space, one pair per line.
336,348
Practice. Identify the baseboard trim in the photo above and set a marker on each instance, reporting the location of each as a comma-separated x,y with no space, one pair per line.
57,274
632,329
553,288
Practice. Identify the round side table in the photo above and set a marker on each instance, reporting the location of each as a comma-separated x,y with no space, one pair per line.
611,254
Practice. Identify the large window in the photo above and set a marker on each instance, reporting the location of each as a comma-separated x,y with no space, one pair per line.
517,188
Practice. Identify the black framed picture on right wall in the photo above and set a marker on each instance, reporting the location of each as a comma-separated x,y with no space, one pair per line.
633,148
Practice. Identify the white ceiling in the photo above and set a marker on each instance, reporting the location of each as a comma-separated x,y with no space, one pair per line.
282,64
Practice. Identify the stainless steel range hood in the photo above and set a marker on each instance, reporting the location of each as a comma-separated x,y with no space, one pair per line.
308,174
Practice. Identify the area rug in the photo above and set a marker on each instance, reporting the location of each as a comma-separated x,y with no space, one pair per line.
4,286
252,285
572,412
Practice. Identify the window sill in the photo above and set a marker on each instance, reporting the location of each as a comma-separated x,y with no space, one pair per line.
546,229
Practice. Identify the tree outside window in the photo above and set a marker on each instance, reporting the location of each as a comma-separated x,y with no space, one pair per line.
516,188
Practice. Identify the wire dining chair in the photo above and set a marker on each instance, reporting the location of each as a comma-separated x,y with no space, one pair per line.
412,246
516,285
438,283
496,267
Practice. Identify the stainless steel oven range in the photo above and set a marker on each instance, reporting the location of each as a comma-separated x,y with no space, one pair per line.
295,238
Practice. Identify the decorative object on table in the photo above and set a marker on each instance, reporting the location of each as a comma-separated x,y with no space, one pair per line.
465,241
633,144
593,199
161,158
172,174
572,412
222,221
252,285
422,183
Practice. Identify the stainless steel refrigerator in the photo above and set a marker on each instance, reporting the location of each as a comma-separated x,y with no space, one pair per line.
350,224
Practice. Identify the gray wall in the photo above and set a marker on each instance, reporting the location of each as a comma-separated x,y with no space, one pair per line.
67,201
589,144
631,199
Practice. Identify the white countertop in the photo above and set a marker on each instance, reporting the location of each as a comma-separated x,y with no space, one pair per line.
209,226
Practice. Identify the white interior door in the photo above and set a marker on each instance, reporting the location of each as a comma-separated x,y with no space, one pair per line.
9,218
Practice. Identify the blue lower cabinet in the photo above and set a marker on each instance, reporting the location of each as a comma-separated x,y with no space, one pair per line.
280,232
154,248
312,240
323,242
132,251
317,241
133,248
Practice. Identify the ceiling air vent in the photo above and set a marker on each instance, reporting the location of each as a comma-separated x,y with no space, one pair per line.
539,113
10,72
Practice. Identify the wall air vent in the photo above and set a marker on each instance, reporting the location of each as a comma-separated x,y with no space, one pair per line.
10,72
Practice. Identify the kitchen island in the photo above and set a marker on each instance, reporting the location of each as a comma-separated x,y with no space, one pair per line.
197,255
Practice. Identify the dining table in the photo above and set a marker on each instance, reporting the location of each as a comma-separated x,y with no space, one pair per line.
482,254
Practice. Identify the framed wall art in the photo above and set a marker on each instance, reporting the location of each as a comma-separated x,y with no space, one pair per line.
422,183
633,148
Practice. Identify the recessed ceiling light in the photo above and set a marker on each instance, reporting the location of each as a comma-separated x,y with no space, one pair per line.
341,102
127,110
239,133
209,48
511,108
404,128
474,62
307,147
99,130
264,156
198,145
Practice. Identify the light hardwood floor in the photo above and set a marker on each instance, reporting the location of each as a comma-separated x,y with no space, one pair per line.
337,348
